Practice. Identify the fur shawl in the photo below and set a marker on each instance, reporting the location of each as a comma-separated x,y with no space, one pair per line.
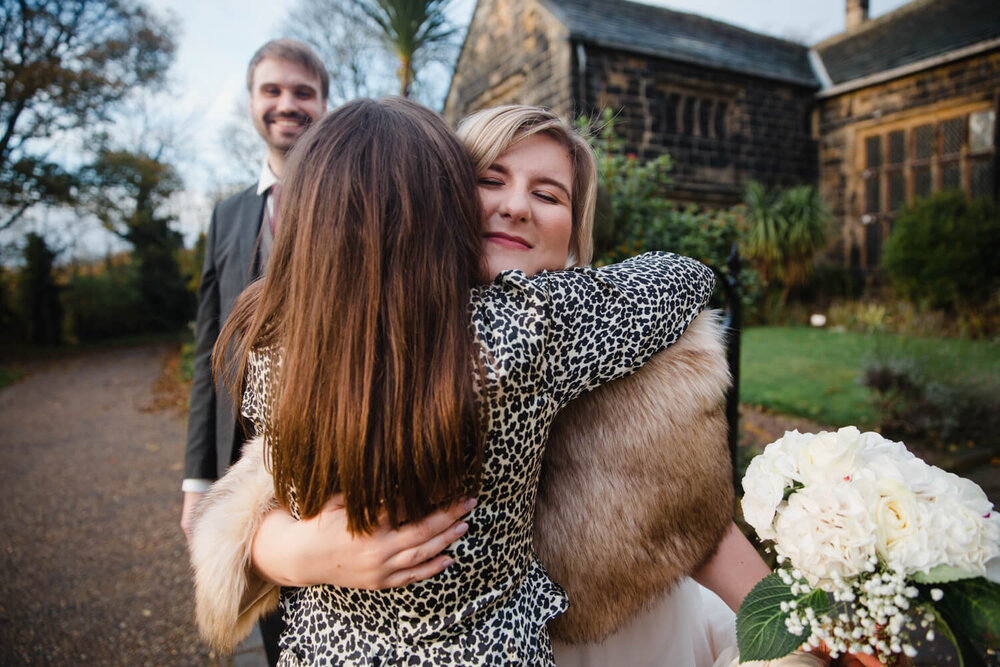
228,596
636,488
636,491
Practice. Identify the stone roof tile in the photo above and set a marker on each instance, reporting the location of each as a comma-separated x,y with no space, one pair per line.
685,37
919,30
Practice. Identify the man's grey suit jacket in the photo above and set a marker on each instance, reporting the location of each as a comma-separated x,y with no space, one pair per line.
230,265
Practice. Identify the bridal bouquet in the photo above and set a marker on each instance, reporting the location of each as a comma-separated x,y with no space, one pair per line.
876,549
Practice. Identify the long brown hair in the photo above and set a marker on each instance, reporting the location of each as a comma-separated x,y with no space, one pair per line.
379,243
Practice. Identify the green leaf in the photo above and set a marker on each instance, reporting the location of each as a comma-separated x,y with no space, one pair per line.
967,655
761,633
789,490
972,609
942,574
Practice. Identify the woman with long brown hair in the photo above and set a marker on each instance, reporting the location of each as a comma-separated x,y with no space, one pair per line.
365,379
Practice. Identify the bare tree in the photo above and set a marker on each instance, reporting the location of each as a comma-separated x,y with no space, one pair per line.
245,149
64,64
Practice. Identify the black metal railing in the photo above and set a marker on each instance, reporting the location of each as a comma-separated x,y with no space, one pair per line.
733,324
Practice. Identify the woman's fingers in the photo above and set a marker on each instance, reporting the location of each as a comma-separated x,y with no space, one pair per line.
416,534
419,573
428,549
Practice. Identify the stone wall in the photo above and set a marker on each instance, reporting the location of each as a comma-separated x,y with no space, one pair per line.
515,52
722,129
926,98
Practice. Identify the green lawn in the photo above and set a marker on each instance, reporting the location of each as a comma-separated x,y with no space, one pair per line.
816,373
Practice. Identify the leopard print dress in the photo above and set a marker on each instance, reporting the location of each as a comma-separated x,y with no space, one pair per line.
544,340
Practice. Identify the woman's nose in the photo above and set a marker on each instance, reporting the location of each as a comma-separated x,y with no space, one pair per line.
515,206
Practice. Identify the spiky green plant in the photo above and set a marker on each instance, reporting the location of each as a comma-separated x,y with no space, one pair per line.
785,231
410,28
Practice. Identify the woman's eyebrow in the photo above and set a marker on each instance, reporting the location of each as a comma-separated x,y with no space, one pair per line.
555,183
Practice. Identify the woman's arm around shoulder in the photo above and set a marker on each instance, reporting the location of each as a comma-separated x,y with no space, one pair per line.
244,547
587,326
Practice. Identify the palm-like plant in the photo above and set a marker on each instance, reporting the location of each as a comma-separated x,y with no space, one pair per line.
785,232
411,28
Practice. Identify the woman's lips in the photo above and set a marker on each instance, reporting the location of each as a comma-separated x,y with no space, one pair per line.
507,241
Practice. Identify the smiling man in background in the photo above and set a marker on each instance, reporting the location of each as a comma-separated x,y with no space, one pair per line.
288,87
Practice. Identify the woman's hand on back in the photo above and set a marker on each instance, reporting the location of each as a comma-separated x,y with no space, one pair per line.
320,550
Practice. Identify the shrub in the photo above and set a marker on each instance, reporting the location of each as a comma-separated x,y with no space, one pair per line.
828,282
105,304
944,414
943,251
906,318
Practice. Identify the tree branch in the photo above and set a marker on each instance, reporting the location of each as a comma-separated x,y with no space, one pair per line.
15,216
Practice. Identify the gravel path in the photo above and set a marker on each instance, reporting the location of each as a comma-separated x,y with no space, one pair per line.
94,562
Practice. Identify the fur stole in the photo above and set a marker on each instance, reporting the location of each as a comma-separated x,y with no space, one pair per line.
229,597
636,486
636,491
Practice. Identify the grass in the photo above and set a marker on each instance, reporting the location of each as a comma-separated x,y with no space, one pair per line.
816,373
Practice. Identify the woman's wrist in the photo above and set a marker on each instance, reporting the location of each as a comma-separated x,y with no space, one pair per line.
277,550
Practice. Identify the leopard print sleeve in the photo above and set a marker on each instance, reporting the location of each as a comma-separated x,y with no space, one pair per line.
256,405
585,326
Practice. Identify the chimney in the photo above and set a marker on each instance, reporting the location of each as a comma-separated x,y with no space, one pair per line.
857,14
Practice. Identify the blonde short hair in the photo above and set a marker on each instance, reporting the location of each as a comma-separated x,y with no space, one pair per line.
490,133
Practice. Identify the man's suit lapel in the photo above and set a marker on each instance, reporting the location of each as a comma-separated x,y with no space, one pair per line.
251,214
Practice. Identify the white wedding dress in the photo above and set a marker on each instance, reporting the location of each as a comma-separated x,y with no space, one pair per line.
689,627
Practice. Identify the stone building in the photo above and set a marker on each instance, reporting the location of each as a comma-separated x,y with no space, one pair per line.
908,106
891,109
727,104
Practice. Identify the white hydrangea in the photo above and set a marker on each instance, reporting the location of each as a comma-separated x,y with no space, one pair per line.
966,530
827,531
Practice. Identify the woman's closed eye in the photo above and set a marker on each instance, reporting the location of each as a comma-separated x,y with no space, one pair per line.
489,181
545,196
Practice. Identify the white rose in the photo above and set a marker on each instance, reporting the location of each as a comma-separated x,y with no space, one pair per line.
826,529
901,535
827,456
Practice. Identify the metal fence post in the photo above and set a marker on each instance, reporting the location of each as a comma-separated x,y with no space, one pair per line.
733,324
